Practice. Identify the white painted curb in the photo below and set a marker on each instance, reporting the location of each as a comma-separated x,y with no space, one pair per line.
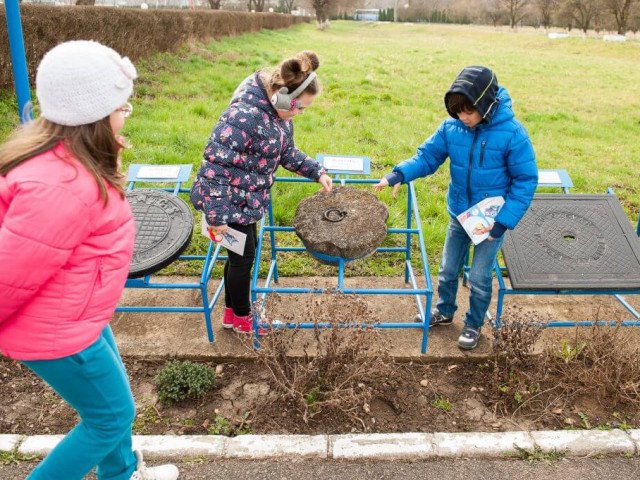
480,445
382,445
586,442
361,446
9,442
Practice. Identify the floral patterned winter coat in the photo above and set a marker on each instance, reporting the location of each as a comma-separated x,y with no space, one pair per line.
246,146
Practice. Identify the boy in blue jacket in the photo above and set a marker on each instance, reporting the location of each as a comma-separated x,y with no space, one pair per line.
491,155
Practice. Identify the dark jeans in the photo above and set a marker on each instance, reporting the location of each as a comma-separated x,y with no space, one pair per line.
237,273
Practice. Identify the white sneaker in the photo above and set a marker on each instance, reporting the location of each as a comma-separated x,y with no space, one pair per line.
162,472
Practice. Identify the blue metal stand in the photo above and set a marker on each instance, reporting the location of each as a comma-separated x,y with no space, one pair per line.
18,60
209,259
617,294
409,276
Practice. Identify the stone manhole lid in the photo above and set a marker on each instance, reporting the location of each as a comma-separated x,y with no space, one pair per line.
346,223
573,242
164,225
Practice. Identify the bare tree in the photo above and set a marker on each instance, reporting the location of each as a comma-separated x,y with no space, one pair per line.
564,15
516,10
86,2
634,20
287,5
215,4
621,10
546,9
495,12
584,12
256,5
322,9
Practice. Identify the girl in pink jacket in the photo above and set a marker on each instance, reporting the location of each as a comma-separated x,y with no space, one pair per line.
66,239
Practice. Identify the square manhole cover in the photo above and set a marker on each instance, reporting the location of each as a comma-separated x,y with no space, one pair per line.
573,242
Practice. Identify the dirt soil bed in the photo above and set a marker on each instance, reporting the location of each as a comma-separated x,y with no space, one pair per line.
435,397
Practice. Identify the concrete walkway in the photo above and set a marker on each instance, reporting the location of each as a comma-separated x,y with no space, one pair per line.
609,468
163,335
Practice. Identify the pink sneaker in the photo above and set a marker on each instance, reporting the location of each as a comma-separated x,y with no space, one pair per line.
227,318
245,325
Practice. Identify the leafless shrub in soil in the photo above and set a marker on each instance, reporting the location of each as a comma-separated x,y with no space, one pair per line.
515,376
335,369
601,362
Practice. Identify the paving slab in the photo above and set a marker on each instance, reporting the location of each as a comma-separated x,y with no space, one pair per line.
167,335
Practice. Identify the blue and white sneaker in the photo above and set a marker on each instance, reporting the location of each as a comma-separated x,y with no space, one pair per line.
469,338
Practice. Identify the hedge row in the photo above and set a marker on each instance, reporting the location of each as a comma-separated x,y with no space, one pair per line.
134,33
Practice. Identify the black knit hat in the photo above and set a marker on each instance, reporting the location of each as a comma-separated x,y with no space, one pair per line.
480,85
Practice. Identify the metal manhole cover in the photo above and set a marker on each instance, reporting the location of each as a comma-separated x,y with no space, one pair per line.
164,225
346,223
573,242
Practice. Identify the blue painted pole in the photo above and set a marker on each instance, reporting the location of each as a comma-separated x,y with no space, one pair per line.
18,60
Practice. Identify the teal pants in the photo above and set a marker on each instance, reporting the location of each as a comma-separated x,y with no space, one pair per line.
95,383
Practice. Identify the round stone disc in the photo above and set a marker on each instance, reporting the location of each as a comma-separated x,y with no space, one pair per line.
347,223
164,225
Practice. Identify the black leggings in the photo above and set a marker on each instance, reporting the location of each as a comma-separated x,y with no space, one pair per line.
237,273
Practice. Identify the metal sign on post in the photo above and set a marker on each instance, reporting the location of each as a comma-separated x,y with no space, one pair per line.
18,60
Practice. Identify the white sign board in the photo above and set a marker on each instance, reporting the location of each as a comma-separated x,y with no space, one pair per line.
549,177
352,164
165,172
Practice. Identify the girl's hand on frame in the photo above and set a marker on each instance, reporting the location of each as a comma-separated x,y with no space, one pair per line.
216,232
385,183
326,182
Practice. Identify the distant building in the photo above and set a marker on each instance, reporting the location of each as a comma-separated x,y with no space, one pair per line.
367,14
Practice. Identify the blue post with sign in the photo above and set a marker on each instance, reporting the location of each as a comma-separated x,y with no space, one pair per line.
18,59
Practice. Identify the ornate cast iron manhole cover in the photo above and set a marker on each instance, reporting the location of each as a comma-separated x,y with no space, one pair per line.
164,225
346,223
573,242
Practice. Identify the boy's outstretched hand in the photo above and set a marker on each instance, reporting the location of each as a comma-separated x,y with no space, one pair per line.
326,182
385,183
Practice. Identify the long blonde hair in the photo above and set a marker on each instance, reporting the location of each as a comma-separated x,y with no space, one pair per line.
93,145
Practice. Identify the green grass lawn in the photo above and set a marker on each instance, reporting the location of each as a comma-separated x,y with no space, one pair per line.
383,95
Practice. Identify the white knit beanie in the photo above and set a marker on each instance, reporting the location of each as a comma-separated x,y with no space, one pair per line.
81,82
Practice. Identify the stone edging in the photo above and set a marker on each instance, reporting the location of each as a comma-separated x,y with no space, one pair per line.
407,446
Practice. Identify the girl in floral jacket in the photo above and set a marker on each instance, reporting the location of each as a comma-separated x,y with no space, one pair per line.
252,138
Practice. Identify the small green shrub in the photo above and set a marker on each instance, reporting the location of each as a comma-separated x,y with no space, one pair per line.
180,380
442,403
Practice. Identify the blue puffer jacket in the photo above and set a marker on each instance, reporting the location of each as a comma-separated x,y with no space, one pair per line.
246,146
495,158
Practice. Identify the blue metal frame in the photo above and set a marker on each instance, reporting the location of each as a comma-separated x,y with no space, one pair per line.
209,260
617,293
409,276
18,60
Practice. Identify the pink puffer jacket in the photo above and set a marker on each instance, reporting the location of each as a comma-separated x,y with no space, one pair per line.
64,257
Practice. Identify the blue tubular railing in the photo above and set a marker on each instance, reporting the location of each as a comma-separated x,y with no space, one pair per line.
409,276
617,294
208,263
